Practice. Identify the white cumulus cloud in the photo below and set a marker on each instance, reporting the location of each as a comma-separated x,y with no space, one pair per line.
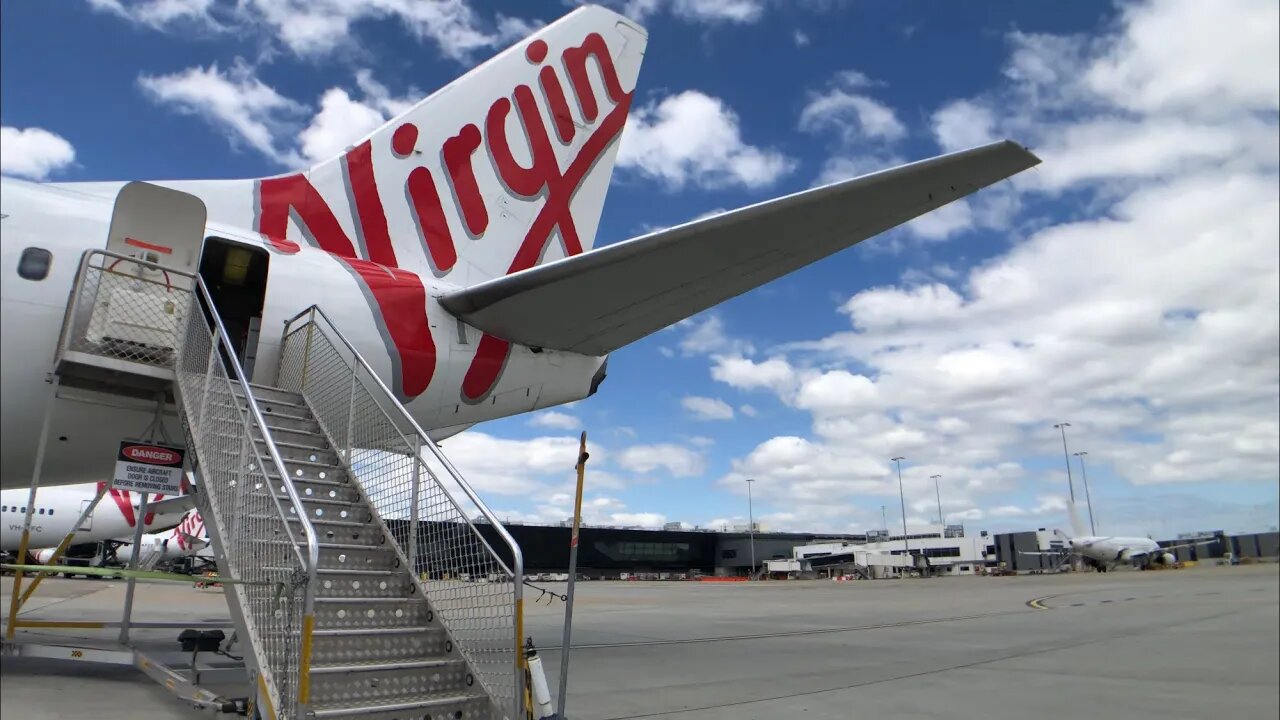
692,138
33,153
677,460
705,408
235,101
319,28
1148,319
553,419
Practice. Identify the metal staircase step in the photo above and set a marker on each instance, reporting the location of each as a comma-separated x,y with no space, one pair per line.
337,556
383,666
280,397
300,468
321,499
310,442
285,439
388,682
450,706
345,584
286,428
351,613
266,392
282,411
345,516
310,449
389,644
314,450
327,487
383,644
330,525
328,491
268,407
362,534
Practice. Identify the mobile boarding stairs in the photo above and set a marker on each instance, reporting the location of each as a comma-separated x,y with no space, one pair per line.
361,589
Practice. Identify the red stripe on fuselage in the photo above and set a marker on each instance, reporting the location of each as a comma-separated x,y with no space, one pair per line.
373,219
398,294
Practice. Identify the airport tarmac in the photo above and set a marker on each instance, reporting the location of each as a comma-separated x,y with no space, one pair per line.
1195,643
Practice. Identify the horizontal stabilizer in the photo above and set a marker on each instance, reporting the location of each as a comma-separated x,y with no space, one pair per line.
601,300
176,504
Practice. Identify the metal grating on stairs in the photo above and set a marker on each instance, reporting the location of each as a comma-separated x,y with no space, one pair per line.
474,592
362,586
377,648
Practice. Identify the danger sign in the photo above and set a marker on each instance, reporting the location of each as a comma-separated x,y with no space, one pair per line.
149,468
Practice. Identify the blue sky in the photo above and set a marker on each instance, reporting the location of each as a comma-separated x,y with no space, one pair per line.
1128,285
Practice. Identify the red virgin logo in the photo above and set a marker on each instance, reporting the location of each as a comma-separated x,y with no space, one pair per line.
399,297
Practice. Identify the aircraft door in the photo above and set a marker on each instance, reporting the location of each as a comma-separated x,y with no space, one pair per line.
158,225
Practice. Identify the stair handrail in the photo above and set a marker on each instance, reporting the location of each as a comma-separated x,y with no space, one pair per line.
516,570
312,559
197,301
298,697
434,447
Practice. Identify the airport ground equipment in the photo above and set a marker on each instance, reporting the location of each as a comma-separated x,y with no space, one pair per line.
339,616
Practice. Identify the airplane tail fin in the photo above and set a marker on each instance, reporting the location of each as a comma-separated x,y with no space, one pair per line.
503,168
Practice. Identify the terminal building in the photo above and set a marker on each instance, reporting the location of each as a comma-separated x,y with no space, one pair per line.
612,552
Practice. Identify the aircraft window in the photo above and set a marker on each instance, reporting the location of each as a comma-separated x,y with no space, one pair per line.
50,511
40,511
4,508
34,263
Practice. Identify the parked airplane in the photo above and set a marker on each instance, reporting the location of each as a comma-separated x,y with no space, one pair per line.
188,539
57,509
453,246
1104,553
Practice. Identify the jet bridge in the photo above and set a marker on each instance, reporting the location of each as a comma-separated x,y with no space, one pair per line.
295,476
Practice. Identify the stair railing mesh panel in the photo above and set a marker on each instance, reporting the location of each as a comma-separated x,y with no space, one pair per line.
238,467
469,586
126,309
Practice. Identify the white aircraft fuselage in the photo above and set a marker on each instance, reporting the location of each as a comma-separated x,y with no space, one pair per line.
1107,552
57,508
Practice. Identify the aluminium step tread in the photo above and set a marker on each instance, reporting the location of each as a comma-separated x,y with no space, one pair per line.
303,404
419,702
308,463
319,501
259,440
351,547
314,521
369,600
385,665
240,403
339,571
405,630
275,475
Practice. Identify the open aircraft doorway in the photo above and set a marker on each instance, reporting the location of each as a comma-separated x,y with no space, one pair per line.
236,276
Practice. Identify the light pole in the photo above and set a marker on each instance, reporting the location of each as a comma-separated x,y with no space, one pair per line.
939,494
906,546
1070,485
1085,476
884,520
751,526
